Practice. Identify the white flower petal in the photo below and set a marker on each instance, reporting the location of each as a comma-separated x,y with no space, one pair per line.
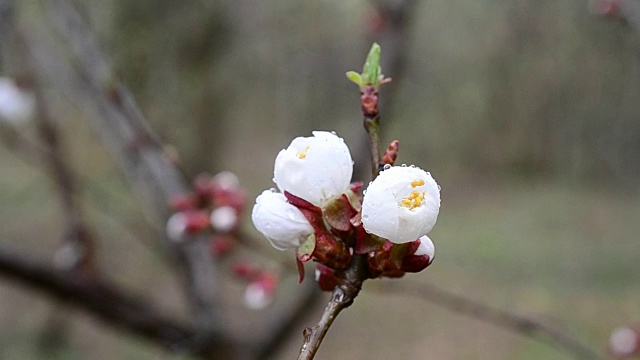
281,223
383,211
314,168
224,218
426,248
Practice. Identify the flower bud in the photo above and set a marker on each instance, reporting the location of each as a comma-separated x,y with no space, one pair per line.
281,223
421,258
224,218
259,293
314,168
226,191
401,204
624,342
16,105
185,223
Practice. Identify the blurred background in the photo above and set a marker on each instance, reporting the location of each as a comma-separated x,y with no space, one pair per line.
526,112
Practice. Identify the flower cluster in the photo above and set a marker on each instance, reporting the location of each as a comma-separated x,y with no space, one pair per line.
320,213
215,204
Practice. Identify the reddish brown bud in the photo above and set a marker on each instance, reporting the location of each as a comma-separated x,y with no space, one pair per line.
182,202
369,99
327,278
245,270
202,185
390,156
195,221
221,244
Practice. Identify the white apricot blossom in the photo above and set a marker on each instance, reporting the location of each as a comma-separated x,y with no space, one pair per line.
16,105
281,223
426,247
314,168
401,204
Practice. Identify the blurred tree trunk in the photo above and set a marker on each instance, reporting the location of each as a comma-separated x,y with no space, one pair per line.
169,51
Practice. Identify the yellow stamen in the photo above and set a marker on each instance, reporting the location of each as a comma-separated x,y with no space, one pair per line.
414,199
416,183
303,154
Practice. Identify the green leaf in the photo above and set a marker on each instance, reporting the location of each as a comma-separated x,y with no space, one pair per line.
355,77
371,69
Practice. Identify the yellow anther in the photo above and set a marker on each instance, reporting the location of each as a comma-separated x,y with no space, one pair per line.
413,200
303,154
416,183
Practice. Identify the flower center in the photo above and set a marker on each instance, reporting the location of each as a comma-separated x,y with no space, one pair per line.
303,154
415,198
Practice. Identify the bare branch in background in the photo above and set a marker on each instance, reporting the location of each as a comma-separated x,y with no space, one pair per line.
512,322
104,299
121,125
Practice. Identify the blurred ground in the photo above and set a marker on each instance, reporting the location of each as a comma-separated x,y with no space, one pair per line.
555,251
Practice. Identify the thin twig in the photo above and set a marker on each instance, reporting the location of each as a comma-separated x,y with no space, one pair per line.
106,300
127,135
341,298
77,236
509,321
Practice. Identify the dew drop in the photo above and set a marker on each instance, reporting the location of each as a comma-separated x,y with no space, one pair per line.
428,173
364,192
272,190
439,188
404,165
274,179
334,133
386,167
412,166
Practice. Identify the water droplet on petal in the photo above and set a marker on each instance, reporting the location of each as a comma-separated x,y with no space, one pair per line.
334,133
364,192
386,167
412,166
404,165
428,173
439,188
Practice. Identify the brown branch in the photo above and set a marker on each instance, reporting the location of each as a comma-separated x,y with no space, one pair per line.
122,127
77,236
341,298
395,24
104,299
509,321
